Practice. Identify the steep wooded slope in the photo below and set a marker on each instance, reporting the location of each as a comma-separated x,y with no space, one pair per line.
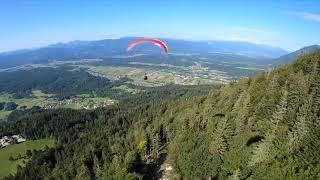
266,127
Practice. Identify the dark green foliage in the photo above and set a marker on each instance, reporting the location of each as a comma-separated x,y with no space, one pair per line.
2,105
62,81
10,106
28,153
18,113
11,158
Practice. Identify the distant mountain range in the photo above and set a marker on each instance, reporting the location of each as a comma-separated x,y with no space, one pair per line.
225,47
112,47
289,58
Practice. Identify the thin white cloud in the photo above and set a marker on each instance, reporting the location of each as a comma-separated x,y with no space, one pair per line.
252,30
311,16
306,15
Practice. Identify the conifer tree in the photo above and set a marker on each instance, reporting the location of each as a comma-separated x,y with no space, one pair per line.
264,150
301,128
219,144
83,173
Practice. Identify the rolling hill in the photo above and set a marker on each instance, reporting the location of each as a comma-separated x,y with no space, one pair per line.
289,58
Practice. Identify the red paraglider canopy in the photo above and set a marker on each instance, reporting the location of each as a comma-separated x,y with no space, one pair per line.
147,40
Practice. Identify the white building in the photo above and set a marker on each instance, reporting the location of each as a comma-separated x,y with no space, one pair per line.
7,140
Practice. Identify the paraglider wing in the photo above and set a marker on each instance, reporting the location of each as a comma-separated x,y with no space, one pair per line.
146,40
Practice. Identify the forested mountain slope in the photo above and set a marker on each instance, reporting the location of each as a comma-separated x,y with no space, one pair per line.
265,127
289,58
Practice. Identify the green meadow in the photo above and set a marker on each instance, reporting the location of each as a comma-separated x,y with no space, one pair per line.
10,167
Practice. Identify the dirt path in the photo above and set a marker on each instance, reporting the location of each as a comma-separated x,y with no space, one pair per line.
165,170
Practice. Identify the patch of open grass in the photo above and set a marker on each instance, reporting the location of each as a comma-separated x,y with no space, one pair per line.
8,167
38,99
127,89
4,114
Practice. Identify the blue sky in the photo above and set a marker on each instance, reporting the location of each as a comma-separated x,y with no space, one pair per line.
289,24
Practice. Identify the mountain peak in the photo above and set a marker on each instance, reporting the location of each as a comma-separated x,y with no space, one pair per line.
289,58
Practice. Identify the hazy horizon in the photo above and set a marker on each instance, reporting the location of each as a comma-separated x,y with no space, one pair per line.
287,24
110,38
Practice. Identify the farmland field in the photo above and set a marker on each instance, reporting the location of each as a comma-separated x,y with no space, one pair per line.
160,75
38,99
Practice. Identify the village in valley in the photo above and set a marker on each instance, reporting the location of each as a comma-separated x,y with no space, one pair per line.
80,103
49,101
8,140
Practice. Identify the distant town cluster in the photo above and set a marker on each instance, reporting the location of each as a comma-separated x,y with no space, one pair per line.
55,105
79,102
8,140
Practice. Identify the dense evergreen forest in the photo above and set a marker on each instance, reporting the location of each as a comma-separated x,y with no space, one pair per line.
63,81
265,127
